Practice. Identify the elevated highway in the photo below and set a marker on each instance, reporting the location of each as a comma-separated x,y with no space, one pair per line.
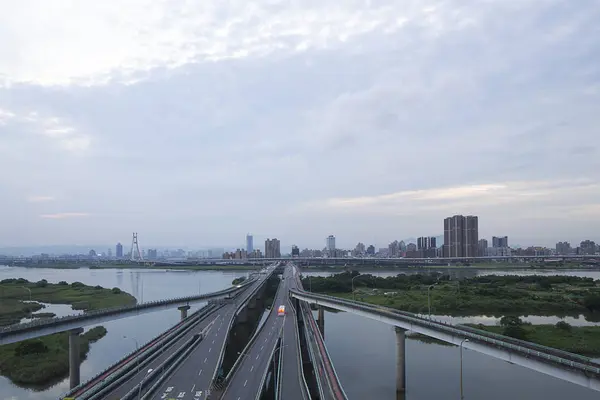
247,377
560,364
292,384
194,376
18,332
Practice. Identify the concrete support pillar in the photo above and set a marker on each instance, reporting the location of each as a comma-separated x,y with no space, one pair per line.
400,362
184,311
321,321
74,350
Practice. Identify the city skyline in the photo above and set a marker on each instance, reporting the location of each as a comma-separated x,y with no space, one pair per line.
192,123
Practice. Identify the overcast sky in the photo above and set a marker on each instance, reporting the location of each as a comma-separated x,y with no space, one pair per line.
195,122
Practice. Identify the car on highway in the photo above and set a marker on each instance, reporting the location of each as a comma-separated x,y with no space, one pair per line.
281,310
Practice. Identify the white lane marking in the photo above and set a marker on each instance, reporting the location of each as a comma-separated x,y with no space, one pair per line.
257,356
266,340
181,395
209,349
251,368
262,347
170,389
205,361
245,383
193,387
213,342
200,373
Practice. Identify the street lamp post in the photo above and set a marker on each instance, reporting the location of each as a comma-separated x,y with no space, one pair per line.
462,396
352,281
142,383
137,352
429,299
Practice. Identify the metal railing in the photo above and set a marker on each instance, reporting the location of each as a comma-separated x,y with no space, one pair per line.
529,349
37,324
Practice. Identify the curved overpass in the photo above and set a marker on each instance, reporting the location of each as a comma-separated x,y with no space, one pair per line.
571,367
18,332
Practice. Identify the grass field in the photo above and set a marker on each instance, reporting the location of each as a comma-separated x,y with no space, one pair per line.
584,340
44,360
15,296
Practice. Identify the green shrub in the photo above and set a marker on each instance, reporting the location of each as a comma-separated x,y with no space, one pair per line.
562,325
32,346
43,283
116,290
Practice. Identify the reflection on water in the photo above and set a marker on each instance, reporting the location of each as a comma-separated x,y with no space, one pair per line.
364,355
60,310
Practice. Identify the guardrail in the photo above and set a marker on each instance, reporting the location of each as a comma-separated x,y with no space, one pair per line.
37,324
311,354
222,354
337,389
145,354
164,336
530,349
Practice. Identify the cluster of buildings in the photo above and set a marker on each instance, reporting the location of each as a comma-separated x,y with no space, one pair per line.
460,240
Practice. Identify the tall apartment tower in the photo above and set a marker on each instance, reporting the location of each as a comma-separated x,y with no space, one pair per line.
249,243
499,241
461,236
272,248
119,250
330,242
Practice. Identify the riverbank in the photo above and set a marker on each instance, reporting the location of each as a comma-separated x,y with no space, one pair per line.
490,294
583,340
196,267
19,298
436,267
42,361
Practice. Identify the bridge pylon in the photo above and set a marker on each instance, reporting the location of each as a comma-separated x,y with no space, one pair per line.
136,254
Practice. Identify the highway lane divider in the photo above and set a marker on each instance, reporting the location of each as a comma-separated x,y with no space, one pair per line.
249,344
214,383
264,377
85,386
174,364
135,364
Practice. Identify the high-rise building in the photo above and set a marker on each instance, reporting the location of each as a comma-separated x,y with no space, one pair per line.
393,249
461,236
499,241
295,251
563,248
119,250
426,246
272,248
482,245
371,250
330,241
249,243
152,254
587,247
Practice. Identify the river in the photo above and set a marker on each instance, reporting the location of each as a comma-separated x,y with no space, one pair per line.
363,351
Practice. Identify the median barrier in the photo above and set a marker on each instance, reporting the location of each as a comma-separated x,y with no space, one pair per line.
127,370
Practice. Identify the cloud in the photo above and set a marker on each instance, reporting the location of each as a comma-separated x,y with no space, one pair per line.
366,119
91,44
546,198
40,199
56,129
65,215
